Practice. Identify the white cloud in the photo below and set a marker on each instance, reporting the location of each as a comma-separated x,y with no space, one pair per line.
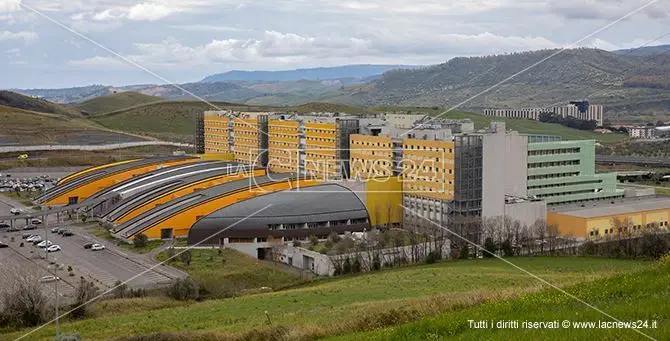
606,9
277,49
10,5
23,35
150,11
98,62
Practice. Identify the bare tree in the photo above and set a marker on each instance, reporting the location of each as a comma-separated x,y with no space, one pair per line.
552,235
540,232
22,303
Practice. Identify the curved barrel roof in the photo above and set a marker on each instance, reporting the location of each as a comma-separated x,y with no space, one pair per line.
162,212
136,199
102,173
250,218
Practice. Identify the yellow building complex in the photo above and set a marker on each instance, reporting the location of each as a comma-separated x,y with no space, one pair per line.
250,138
428,168
216,132
371,156
284,146
594,220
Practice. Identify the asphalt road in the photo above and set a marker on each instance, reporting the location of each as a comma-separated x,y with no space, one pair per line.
104,267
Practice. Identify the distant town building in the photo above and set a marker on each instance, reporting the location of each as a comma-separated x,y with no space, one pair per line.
643,132
578,109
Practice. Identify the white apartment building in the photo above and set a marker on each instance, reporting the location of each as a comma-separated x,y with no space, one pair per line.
642,132
594,112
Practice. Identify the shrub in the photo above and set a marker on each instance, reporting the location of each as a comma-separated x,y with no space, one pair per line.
24,303
432,257
120,290
140,240
86,291
490,247
186,257
507,249
464,252
183,289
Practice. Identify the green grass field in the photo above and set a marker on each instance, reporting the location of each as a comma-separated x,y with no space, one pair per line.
230,272
345,305
641,297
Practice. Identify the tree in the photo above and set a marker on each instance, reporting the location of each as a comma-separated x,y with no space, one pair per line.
540,232
140,240
552,235
507,248
489,246
86,291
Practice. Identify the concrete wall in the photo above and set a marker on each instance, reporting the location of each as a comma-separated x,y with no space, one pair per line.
527,212
504,169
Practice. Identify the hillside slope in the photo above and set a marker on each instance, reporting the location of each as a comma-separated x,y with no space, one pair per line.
22,127
321,73
115,102
19,101
572,74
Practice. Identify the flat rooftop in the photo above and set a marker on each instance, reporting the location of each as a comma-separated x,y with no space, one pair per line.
606,208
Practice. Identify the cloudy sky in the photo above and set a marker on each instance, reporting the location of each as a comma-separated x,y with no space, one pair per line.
185,40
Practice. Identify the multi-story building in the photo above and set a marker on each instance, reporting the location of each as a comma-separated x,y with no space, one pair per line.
371,156
564,172
644,132
326,149
578,109
285,141
249,135
216,132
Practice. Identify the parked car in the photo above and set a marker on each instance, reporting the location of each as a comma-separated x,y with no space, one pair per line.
68,233
26,235
61,230
30,227
35,221
88,245
13,229
49,278
44,243
34,238
3,224
53,248
97,247
16,211
55,230
3,245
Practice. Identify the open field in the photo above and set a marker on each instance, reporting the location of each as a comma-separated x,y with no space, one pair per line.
627,297
228,272
352,304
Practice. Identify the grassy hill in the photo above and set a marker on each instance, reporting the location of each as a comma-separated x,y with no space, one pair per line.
626,297
31,128
175,120
358,303
115,102
16,100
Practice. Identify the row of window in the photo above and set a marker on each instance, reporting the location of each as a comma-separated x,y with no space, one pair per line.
564,193
554,164
552,175
427,148
596,182
610,231
371,144
553,151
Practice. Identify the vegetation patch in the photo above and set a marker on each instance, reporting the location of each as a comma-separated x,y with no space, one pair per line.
348,304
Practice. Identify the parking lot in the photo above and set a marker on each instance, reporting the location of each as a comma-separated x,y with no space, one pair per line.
104,267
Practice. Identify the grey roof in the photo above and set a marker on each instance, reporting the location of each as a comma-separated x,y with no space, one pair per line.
131,202
99,174
606,208
318,203
169,209
251,218
157,176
